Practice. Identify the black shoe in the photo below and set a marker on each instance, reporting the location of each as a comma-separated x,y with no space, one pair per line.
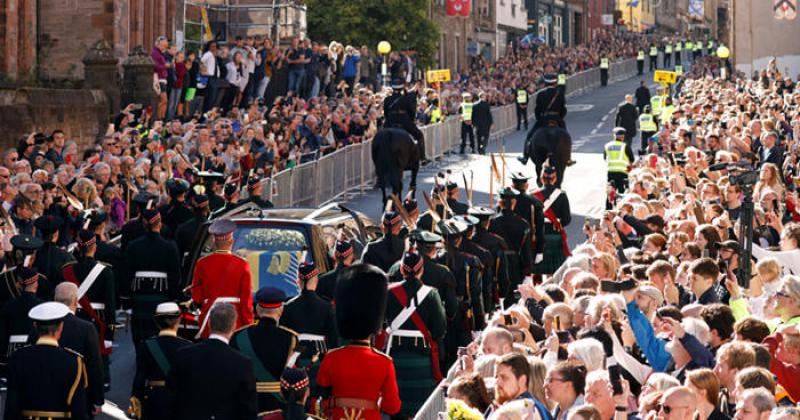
523,160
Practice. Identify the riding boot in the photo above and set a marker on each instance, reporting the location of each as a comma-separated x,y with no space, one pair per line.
524,158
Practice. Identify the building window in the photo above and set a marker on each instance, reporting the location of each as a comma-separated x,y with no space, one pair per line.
513,10
456,53
557,30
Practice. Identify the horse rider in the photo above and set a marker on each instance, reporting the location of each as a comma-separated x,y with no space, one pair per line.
550,104
399,109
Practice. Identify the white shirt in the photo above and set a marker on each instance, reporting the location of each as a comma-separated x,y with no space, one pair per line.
218,337
790,260
209,64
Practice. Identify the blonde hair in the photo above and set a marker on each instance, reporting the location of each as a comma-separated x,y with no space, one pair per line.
769,265
536,381
705,379
609,261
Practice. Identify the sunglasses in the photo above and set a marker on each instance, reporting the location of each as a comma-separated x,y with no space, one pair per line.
667,409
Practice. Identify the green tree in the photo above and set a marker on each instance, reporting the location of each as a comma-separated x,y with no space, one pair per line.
404,23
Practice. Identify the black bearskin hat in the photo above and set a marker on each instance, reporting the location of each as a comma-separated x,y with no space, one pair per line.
361,292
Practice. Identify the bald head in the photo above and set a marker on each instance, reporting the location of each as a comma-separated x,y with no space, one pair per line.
629,99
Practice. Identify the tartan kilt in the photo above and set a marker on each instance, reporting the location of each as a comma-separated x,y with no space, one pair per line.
414,379
553,254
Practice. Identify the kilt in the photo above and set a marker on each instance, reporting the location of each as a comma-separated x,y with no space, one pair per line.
553,254
414,378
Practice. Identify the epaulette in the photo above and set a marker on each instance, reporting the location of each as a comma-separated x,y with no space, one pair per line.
289,330
333,350
378,352
73,352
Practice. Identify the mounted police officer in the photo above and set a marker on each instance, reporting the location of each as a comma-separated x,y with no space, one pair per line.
400,109
50,258
557,216
551,104
517,234
150,398
619,156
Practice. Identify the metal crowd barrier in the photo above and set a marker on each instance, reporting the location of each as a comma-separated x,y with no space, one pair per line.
312,184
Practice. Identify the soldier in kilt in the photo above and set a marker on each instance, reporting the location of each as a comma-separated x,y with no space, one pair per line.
557,216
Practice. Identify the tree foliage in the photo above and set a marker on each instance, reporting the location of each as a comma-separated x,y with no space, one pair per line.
404,23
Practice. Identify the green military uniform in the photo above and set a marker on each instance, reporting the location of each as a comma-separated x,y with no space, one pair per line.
497,279
516,232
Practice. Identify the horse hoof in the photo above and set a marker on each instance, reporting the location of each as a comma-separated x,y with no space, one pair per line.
571,162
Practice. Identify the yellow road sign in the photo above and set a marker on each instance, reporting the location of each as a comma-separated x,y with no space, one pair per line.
435,76
662,76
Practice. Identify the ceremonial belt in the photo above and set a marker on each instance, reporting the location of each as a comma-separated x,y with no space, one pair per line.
265,381
158,276
218,300
155,384
98,306
550,215
90,279
36,414
355,403
158,355
68,272
400,293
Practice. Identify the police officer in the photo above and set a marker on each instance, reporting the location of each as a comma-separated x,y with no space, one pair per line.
530,210
46,380
400,110
689,49
697,50
517,234
221,277
344,255
149,396
657,101
640,61
551,104
50,258
15,325
557,216
522,106
383,252
268,345
313,319
186,231
23,254
497,272
254,190
653,57
619,156
465,110
453,194
648,127
666,110
176,211
604,65
417,325
678,50
154,272
668,55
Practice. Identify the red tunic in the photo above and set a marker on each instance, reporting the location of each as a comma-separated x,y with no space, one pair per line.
359,371
223,275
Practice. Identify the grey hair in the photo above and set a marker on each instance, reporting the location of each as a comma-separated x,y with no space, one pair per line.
222,318
66,293
763,400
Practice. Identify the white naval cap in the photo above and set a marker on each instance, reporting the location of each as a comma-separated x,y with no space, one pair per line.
48,312
168,309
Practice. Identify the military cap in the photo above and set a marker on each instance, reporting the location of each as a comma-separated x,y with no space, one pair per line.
425,237
49,223
230,190
209,176
26,275
94,217
86,238
519,177
467,220
619,131
307,271
151,216
391,217
168,310
453,228
48,313
451,185
437,189
222,227
177,186
143,198
270,297
481,213
508,192
294,379
343,249
730,245
200,201
25,242
410,205
411,264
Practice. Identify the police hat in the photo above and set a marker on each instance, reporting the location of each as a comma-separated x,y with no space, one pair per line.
343,249
49,223
167,310
307,271
619,131
519,177
86,238
48,313
222,227
508,192
425,237
177,186
270,297
467,220
549,78
25,242
361,293
482,213
26,275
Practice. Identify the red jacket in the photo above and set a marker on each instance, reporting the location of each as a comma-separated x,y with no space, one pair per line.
223,275
788,375
359,371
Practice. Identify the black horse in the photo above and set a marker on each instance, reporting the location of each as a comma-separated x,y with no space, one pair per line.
393,152
550,142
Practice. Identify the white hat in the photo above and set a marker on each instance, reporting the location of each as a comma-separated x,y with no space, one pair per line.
48,312
168,309
653,293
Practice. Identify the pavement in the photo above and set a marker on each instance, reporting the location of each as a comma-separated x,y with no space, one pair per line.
590,118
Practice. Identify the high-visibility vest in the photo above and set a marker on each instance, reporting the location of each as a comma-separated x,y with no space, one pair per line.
653,51
616,157
678,46
668,49
640,56
522,96
689,45
603,63
710,45
466,111
679,70
666,113
655,105
698,46
436,115
562,79
647,123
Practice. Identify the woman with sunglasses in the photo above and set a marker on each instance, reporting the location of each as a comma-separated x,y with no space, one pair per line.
564,385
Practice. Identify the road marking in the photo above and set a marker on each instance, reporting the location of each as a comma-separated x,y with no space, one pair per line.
594,131
605,117
579,107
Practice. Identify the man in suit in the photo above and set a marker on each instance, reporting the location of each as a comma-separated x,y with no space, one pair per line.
769,151
210,379
642,96
482,120
627,116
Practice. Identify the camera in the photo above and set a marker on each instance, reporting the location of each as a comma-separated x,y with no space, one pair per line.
744,179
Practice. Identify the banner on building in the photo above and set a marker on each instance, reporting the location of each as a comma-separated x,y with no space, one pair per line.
785,9
458,8
697,9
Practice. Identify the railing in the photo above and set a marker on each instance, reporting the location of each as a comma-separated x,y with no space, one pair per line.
348,169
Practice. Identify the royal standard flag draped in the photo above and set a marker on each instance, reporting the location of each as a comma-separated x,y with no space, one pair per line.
275,269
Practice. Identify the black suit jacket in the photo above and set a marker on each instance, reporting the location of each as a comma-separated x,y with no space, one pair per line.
482,117
775,156
212,380
642,96
627,115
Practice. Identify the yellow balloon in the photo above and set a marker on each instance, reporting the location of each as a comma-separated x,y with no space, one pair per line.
723,52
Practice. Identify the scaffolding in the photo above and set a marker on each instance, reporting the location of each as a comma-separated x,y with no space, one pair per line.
280,20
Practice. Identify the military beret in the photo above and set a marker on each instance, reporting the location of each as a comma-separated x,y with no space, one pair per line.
425,237
270,297
86,238
508,192
481,213
294,379
467,220
168,310
26,275
222,227
24,242
200,201
519,177
307,271
49,223
48,312
343,249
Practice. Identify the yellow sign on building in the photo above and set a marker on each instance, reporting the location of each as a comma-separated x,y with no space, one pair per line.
436,76
662,76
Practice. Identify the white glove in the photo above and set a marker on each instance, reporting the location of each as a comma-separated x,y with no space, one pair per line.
538,258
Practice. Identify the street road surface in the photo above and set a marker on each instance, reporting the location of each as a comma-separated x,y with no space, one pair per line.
590,119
